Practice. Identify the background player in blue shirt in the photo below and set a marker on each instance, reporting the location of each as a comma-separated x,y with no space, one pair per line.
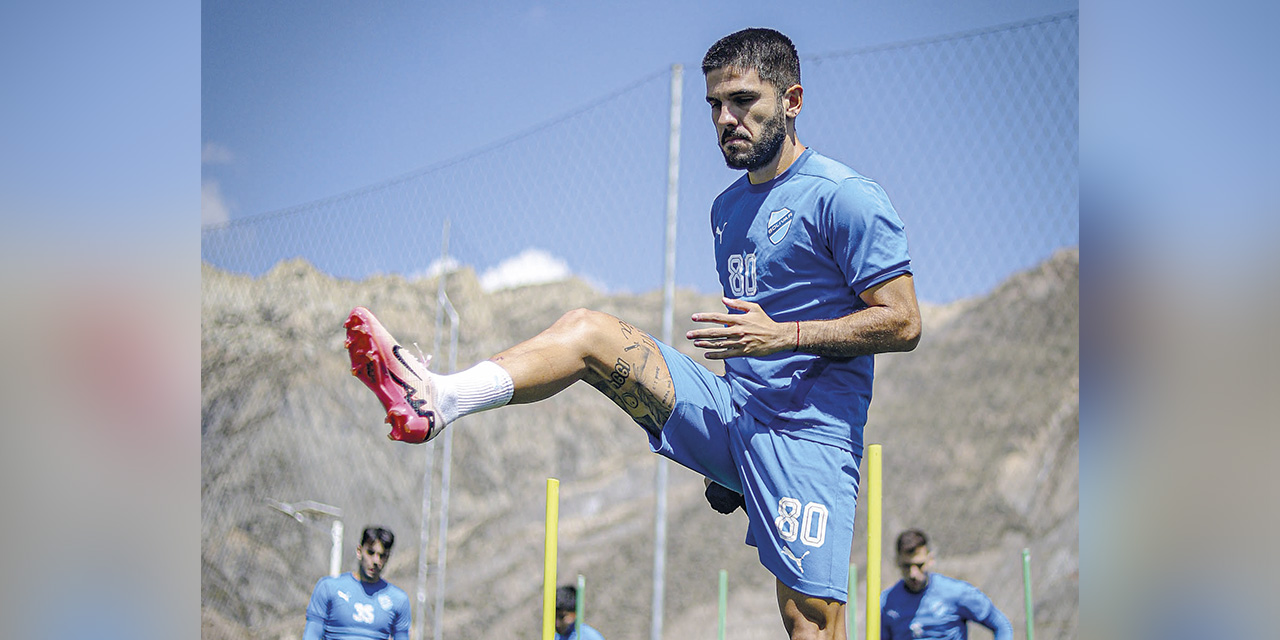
930,605
360,605
567,625
816,276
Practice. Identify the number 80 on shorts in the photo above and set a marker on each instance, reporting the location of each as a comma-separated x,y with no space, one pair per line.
810,527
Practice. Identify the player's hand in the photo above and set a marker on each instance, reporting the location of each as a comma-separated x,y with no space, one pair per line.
723,499
752,333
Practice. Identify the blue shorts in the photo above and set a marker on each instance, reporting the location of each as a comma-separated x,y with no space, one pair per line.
800,495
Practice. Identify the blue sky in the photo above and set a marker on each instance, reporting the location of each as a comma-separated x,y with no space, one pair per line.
306,100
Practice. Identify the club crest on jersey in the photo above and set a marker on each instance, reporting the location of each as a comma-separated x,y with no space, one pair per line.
384,601
779,223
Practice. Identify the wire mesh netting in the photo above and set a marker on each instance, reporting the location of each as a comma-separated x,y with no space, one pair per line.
974,137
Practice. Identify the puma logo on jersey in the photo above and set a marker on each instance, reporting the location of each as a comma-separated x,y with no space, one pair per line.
720,234
787,552
348,598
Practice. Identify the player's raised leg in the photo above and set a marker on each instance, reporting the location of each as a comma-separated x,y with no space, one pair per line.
609,354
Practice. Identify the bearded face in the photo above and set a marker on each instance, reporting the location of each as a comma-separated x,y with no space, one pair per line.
750,117
742,150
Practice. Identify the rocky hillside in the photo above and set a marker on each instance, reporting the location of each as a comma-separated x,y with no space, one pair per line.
979,427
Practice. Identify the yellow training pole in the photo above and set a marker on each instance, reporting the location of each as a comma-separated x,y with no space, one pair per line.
874,455
549,561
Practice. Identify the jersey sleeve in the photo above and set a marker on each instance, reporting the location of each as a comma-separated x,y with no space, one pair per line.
866,237
318,609
976,606
886,631
313,631
404,618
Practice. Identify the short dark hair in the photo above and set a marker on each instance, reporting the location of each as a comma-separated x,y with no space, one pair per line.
770,53
567,598
379,534
910,540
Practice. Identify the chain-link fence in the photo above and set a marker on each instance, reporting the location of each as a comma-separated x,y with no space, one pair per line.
973,136
600,212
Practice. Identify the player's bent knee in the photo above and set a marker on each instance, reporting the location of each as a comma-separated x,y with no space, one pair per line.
586,325
580,316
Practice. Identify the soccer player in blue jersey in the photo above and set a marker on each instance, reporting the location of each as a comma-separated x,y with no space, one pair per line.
930,605
816,280
360,605
568,627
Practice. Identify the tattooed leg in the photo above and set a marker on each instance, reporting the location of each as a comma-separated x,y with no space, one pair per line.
619,360
640,382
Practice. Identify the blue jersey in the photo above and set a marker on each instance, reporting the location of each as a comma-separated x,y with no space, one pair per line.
344,608
585,633
804,246
942,611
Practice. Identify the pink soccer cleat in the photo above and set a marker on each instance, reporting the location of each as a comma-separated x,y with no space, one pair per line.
399,380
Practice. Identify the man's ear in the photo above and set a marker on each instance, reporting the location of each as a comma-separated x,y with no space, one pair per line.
793,100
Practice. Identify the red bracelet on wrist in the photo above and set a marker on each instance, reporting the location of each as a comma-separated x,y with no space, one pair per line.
797,347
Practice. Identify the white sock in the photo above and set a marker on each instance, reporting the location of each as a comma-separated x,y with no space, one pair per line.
484,386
